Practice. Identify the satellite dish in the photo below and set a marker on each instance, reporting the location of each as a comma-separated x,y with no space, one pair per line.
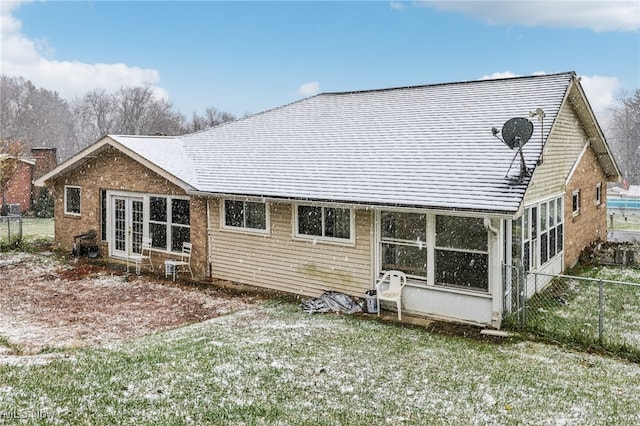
516,132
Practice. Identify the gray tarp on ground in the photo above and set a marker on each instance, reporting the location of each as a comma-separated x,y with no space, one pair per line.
331,301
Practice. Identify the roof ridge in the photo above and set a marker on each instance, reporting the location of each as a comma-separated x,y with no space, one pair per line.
451,83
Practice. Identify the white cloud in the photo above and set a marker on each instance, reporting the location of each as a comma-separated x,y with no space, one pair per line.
31,59
495,75
600,92
309,89
597,15
397,5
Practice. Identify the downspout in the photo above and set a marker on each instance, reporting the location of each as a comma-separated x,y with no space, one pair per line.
210,266
497,290
489,227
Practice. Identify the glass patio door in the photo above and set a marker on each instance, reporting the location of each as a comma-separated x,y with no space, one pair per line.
127,225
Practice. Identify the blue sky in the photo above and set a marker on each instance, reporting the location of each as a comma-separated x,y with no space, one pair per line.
246,57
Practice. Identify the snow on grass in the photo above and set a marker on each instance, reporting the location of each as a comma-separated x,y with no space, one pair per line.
569,309
271,364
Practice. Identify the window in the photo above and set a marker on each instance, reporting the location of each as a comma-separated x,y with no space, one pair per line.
538,243
575,203
544,236
245,215
103,214
598,193
72,200
461,253
169,223
329,223
404,242
180,229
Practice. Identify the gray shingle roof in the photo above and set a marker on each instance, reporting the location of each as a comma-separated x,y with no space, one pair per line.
426,146
168,153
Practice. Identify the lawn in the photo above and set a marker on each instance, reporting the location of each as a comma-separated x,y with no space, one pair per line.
37,228
273,364
624,220
269,363
568,309
31,229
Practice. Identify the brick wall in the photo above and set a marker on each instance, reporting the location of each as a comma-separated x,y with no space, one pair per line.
591,223
46,160
112,170
18,188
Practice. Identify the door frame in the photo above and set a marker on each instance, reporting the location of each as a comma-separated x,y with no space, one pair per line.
129,200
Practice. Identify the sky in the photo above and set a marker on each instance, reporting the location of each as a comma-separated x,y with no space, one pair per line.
246,57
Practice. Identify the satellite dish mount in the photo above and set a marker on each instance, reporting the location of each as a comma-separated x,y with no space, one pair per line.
516,132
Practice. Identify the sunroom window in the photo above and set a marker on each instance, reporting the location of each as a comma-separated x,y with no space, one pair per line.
461,253
539,244
404,242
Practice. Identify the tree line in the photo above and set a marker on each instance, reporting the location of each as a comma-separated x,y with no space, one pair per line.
624,135
35,117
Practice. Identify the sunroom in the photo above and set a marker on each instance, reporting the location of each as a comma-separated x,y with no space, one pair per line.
452,262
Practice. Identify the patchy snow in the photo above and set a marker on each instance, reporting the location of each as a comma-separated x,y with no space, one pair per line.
46,305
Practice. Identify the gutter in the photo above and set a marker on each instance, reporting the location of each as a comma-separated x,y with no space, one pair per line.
496,214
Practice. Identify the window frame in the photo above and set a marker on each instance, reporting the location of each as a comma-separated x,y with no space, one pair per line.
402,242
146,227
323,238
66,200
167,223
598,193
432,250
244,228
575,202
104,215
455,249
547,244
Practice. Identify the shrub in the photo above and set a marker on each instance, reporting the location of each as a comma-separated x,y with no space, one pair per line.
43,206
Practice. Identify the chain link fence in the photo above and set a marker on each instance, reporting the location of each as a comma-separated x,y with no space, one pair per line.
587,310
10,228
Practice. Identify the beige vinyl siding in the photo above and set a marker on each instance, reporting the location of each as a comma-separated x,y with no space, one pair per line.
281,262
565,143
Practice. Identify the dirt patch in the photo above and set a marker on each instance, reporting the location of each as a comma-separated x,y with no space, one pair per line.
46,304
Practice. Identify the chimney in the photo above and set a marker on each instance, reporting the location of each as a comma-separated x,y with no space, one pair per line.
46,160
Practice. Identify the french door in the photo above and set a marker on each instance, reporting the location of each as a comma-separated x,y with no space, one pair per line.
127,225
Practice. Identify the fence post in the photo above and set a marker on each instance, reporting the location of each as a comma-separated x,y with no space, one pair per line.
522,293
600,310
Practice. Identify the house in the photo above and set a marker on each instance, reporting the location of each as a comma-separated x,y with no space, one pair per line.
328,192
16,185
18,189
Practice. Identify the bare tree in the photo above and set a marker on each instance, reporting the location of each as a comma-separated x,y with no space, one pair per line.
625,135
40,118
133,103
212,117
132,110
95,114
34,117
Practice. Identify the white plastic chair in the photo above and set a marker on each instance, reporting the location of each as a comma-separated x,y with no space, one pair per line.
144,256
393,293
182,265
